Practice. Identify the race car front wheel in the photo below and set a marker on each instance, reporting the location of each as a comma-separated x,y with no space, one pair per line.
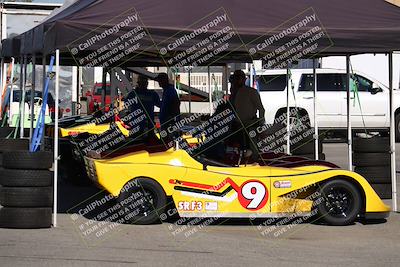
339,202
142,200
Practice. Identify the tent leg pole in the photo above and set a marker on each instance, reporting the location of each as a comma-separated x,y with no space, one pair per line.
225,74
2,81
349,135
11,89
44,82
104,88
21,97
32,98
251,75
392,136
209,89
287,111
315,109
190,92
57,88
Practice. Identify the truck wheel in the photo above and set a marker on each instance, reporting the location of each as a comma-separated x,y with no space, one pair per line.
298,118
339,202
142,200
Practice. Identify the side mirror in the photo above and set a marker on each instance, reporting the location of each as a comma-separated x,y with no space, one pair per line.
375,89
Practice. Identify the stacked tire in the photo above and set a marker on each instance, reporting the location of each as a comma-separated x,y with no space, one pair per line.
371,158
26,192
306,148
302,142
5,131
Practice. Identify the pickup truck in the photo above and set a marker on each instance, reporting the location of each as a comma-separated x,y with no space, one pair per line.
369,98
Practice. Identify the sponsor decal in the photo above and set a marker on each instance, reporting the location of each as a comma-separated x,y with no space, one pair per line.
282,184
190,205
211,206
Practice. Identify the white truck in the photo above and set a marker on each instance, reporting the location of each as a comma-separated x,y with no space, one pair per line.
369,102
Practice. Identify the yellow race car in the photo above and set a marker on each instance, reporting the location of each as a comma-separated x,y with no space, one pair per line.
274,185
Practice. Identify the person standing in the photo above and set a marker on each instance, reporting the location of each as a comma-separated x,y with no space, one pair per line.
147,100
247,103
246,100
170,105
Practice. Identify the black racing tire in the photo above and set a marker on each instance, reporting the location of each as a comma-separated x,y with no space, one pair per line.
339,202
384,191
321,156
397,127
1,159
147,200
40,160
5,131
13,144
306,147
371,145
25,218
301,116
26,196
369,159
375,174
15,177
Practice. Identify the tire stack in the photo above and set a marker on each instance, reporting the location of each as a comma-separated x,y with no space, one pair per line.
26,192
5,131
371,158
306,148
302,143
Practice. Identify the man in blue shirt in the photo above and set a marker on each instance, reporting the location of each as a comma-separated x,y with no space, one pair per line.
170,106
147,99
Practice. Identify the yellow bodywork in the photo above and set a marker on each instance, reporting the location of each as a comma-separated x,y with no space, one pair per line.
92,128
244,191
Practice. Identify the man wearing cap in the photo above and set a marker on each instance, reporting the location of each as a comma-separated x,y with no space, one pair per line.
148,100
246,100
170,105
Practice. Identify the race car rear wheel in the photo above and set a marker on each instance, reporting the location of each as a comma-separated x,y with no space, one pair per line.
339,202
142,200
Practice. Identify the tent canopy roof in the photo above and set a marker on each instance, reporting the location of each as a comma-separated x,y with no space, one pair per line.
344,27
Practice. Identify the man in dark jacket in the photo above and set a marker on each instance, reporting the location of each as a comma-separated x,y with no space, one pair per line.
170,105
148,99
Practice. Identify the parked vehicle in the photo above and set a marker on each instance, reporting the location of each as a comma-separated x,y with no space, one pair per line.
143,178
369,98
14,107
96,96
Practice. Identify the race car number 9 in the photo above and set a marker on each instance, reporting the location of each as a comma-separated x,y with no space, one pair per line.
253,195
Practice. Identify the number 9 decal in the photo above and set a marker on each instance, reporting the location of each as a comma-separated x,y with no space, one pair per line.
253,195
